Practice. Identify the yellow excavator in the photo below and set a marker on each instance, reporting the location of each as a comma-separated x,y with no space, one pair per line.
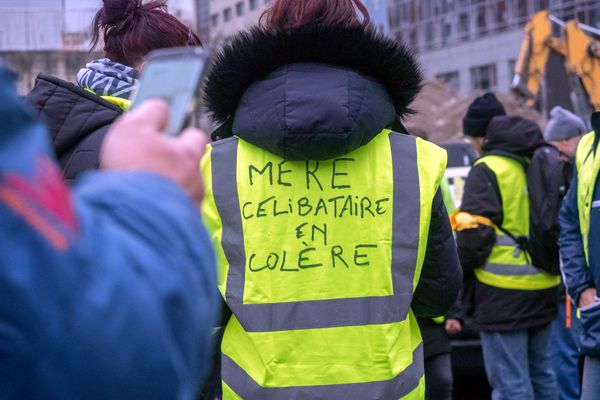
559,64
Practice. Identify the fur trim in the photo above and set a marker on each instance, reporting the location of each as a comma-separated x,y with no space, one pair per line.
251,55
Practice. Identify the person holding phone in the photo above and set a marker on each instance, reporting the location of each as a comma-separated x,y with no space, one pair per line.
107,290
327,220
79,115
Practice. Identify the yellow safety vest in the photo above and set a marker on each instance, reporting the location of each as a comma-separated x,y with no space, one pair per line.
507,267
588,166
318,261
123,104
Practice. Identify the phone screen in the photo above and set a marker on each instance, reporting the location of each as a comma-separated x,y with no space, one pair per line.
173,79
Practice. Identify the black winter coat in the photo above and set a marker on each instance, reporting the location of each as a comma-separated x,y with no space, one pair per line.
435,339
76,119
493,308
318,93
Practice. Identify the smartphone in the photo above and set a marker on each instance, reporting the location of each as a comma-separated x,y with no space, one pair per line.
174,75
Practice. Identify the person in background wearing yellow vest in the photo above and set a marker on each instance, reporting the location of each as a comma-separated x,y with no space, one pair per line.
563,132
580,252
511,301
329,228
79,115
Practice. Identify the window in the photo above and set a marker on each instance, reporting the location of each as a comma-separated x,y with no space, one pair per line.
511,66
214,20
394,15
239,9
541,5
511,70
429,35
447,6
450,79
253,5
413,39
566,10
484,77
398,36
522,12
500,17
481,21
227,14
447,30
463,26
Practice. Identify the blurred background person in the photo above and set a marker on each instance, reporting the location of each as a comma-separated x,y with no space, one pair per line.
78,116
580,252
108,291
563,132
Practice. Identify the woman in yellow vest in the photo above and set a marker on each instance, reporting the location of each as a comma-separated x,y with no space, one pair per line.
329,228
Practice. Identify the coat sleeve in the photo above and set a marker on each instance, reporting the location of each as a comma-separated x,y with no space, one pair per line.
144,241
574,268
108,291
441,275
85,156
480,198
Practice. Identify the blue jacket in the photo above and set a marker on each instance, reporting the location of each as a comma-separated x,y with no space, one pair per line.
108,292
577,275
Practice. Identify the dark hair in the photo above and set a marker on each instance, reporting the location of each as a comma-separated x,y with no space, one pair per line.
290,14
131,29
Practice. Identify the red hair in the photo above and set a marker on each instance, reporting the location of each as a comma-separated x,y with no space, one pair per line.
131,29
290,14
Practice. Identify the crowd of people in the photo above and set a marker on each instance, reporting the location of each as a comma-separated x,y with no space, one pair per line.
328,229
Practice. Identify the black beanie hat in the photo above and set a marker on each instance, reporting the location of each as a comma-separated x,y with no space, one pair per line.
480,113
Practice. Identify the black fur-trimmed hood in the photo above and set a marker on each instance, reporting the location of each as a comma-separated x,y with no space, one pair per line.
332,87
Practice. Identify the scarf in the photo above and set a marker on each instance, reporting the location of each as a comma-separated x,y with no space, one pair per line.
108,78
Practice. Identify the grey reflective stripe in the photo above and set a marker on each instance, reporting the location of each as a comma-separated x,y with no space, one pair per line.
512,270
596,204
503,240
322,313
224,180
245,387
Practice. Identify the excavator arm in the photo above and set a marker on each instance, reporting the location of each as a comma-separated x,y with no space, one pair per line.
546,40
583,61
537,45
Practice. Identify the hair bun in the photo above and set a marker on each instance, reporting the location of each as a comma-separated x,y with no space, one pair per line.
116,11
130,29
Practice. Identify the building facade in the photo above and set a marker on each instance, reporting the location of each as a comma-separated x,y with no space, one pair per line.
472,45
230,16
53,36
